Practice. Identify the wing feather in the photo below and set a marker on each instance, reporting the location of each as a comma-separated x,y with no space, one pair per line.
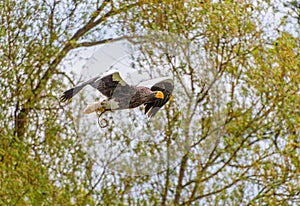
108,84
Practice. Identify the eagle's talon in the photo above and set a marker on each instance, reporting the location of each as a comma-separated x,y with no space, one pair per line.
99,111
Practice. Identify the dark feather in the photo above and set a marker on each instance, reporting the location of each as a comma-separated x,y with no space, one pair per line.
107,85
67,95
167,87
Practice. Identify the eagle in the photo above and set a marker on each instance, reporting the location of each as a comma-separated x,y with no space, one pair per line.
121,95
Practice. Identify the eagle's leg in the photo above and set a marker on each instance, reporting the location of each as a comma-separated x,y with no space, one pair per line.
100,108
100,111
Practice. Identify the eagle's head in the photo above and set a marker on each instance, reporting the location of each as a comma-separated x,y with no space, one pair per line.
145,96
155,96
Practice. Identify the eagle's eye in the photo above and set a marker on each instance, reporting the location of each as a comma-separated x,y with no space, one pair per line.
159,95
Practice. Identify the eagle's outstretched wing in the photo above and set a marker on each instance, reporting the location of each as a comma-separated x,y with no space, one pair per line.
166,86
106,85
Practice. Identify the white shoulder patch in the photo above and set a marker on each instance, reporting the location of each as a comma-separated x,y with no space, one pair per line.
116,77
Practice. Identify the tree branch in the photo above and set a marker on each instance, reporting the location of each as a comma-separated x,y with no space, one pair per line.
103,41
180,178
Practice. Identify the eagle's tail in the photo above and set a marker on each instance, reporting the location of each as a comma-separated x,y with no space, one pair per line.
96,106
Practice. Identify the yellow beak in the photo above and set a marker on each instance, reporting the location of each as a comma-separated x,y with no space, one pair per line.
159,95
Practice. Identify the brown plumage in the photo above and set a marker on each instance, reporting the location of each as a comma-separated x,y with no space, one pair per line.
121,95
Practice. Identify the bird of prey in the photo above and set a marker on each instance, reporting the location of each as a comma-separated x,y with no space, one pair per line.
121,95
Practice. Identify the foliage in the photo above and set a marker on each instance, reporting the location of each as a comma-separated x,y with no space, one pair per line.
230,136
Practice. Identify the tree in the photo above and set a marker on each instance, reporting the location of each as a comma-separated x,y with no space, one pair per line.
238,88
41,157
230,136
